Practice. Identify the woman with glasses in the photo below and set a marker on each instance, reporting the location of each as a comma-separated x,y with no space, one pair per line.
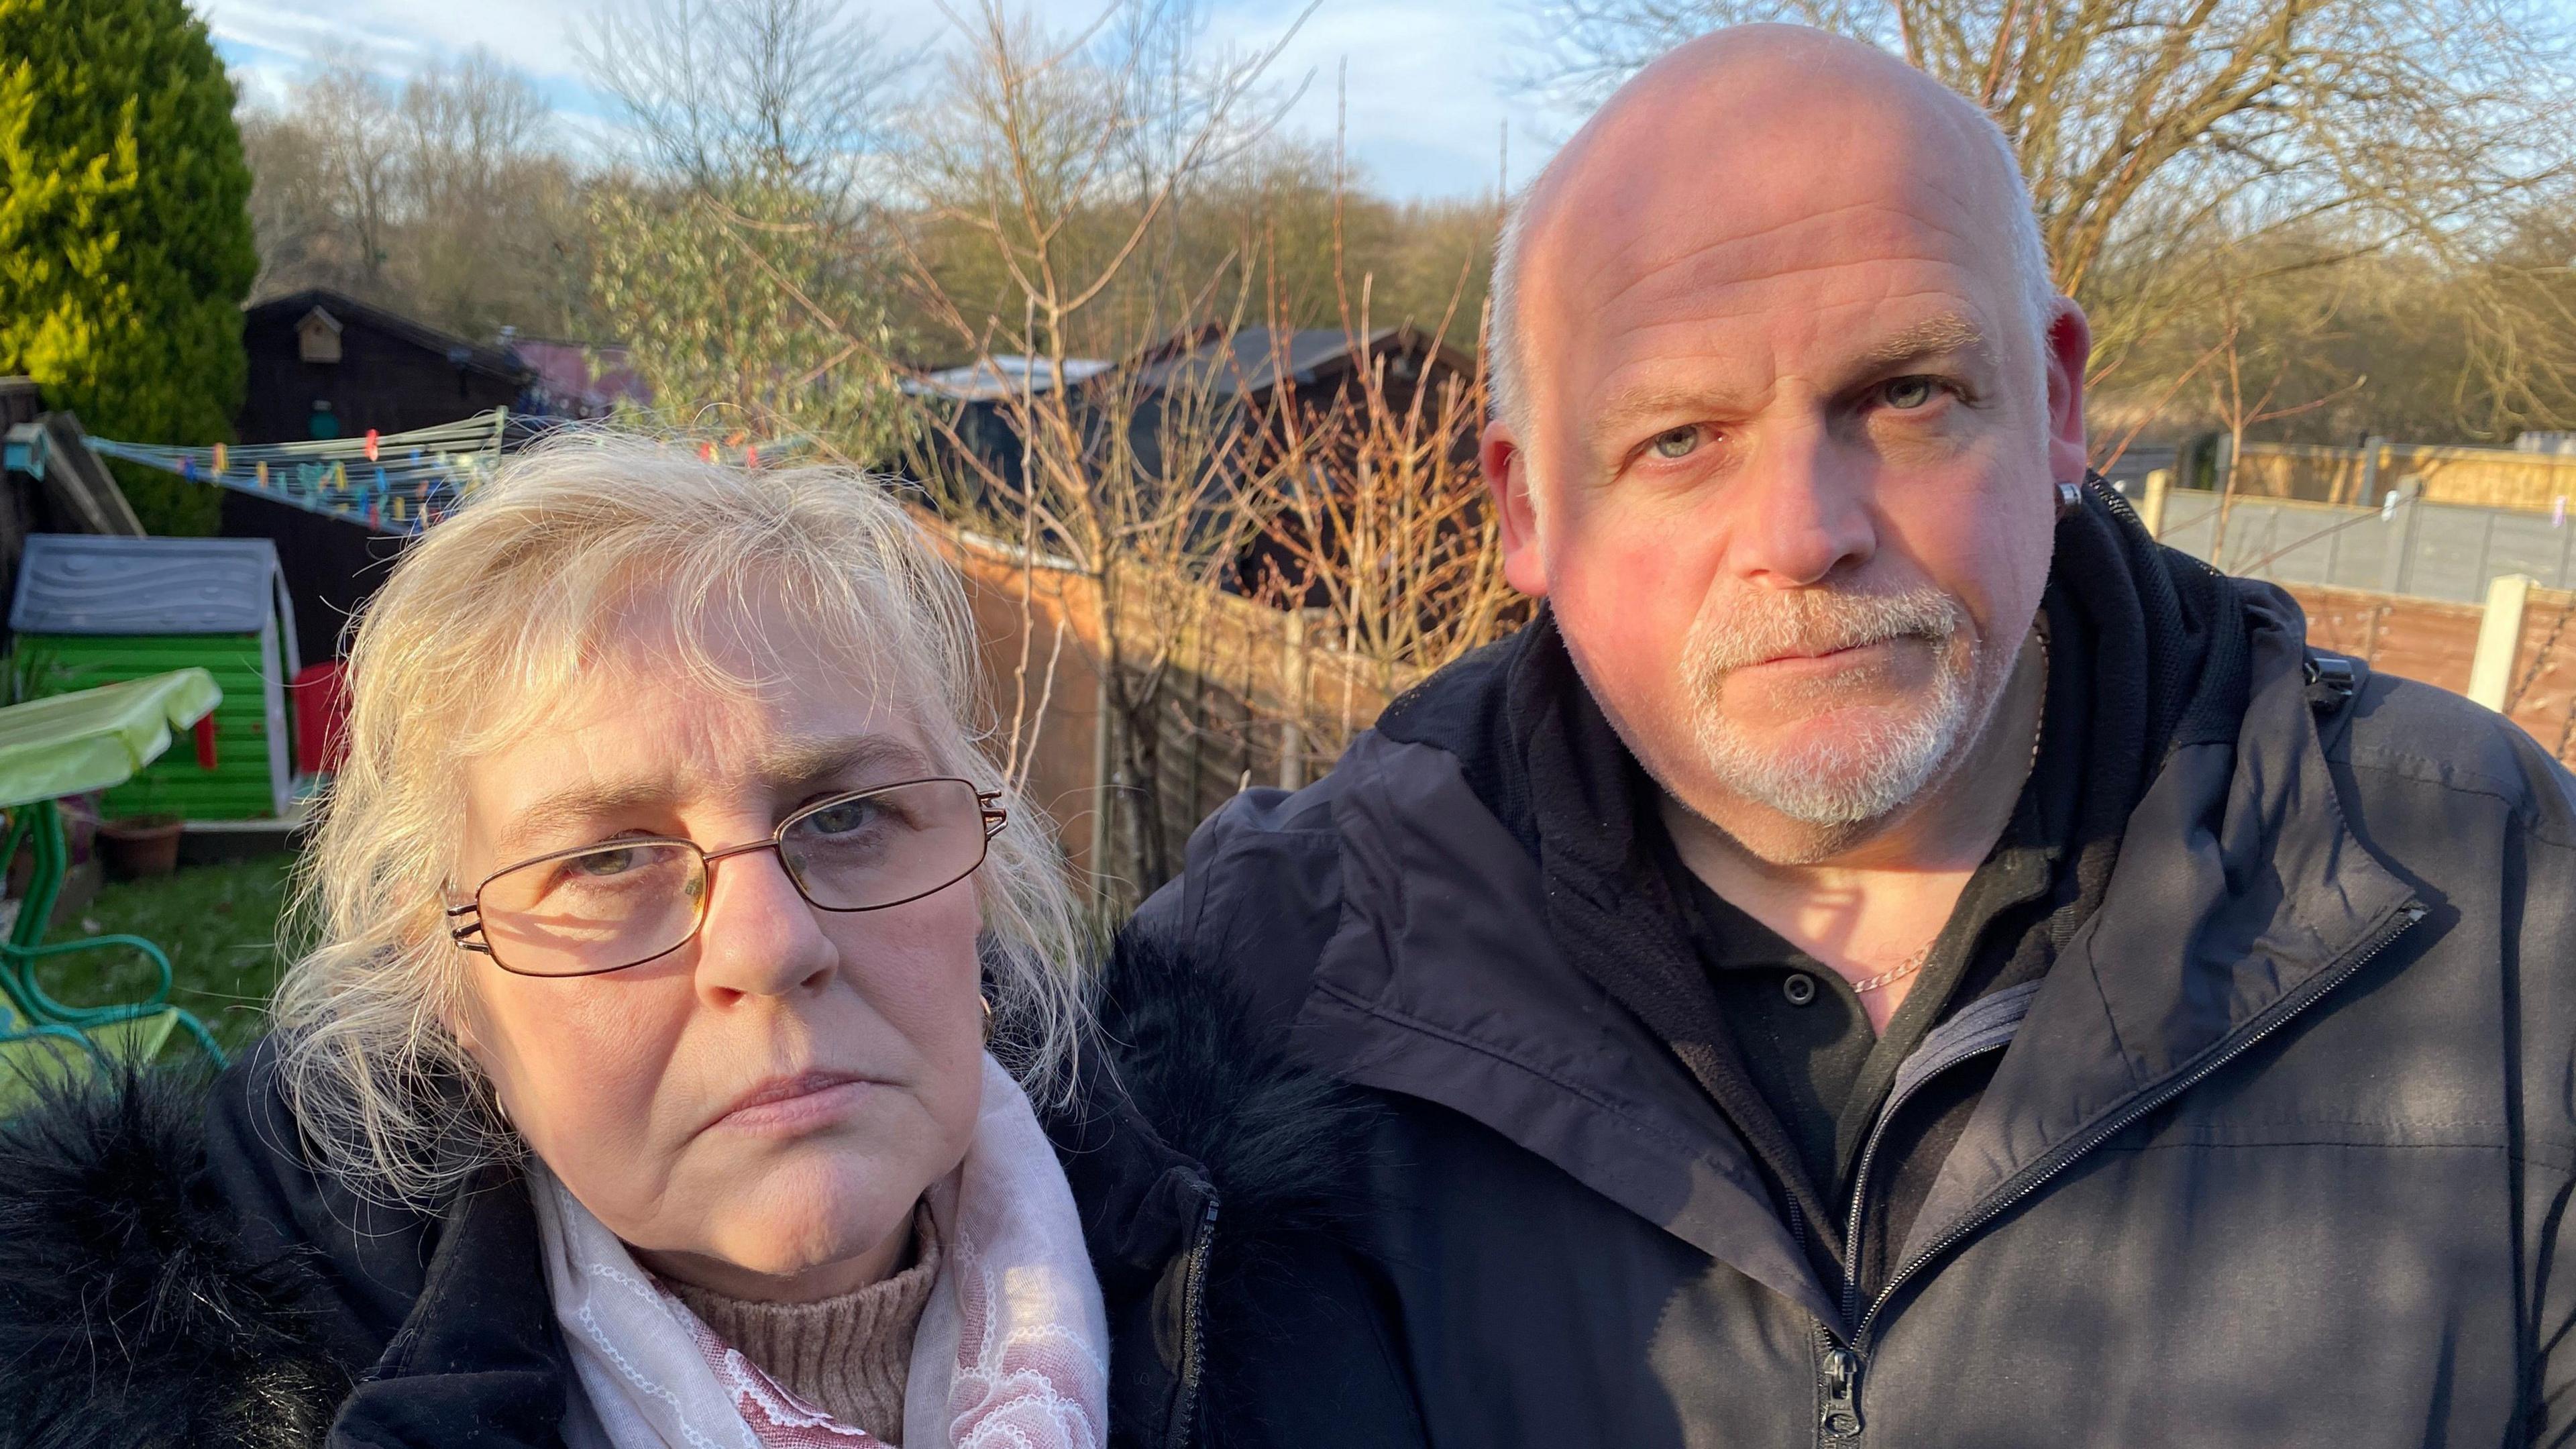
667,1063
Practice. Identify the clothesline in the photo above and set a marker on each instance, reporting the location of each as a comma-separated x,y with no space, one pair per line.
391,482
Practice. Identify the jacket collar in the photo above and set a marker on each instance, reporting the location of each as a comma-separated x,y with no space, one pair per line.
1444,983
479,1359
2239,895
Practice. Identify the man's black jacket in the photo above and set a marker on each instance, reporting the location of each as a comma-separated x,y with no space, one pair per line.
2277,1151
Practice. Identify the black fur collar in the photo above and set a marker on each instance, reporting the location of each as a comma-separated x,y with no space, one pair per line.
126,1316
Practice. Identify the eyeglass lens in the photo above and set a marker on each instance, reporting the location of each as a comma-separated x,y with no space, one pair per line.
623,903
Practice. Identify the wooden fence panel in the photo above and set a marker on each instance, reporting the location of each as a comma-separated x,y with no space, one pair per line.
2480,477
1238,682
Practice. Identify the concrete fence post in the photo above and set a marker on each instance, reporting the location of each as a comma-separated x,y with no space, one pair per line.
2410,507
2151,505
2499,639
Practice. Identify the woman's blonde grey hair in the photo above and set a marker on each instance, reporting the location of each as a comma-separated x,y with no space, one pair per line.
483,627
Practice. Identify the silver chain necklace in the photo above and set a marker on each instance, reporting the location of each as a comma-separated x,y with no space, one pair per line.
1923,957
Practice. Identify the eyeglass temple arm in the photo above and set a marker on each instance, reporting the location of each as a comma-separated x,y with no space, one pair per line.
995,817
464,932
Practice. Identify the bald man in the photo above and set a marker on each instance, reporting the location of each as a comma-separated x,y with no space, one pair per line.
1891,955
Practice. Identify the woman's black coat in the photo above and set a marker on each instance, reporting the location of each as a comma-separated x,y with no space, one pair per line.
173,1273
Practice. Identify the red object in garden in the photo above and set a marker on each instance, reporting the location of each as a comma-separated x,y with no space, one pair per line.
321,718
204,730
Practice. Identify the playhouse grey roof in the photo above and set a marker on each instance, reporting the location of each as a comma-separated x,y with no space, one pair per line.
78,583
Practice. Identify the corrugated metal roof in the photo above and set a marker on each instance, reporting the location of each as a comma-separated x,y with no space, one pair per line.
71,583
1004,377
1251,360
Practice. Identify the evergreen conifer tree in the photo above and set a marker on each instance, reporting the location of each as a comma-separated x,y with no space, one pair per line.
125,238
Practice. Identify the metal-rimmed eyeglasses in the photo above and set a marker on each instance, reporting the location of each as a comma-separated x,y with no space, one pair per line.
622,902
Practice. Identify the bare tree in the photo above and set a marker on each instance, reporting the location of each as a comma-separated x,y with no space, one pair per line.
2254,373
327,174
446,198
1048,162
2519,303
2256,114
492,211
464,127
792,94
736,247
1372,509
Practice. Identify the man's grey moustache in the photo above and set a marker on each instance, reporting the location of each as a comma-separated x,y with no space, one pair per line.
1802,649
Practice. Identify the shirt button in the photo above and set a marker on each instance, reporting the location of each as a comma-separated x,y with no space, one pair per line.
1800,988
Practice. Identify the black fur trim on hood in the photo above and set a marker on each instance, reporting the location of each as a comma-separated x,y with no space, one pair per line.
126,1318
1283,1145
1258,1166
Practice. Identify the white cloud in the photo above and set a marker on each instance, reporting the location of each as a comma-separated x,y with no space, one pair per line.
1426,99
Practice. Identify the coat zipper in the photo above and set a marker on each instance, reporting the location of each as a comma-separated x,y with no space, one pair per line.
1193,1329
1843,1364
1860,1192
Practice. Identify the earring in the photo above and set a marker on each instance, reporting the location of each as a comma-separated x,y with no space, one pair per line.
988,1018
2070,499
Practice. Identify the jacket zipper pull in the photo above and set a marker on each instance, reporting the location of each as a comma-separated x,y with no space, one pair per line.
1842,1393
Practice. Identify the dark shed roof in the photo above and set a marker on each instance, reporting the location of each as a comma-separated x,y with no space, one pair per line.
467,354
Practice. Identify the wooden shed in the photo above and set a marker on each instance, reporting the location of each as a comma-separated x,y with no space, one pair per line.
93,610
327,366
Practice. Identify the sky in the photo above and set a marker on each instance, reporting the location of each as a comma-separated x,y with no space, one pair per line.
1428,92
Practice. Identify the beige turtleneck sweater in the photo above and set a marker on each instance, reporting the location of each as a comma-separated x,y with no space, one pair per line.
848,1356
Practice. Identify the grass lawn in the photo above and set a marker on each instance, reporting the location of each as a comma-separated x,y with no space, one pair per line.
217,922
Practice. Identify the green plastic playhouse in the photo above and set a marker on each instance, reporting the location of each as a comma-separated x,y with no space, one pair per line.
93,610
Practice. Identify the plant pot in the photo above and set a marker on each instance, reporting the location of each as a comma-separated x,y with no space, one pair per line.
140,845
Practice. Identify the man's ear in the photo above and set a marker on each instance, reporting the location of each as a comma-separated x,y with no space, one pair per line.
1507,477
2069,340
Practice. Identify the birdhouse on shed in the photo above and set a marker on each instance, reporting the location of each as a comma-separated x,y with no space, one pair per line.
94,610
317,337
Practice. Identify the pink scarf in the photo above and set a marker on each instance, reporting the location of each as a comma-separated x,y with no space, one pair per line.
1011,1353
